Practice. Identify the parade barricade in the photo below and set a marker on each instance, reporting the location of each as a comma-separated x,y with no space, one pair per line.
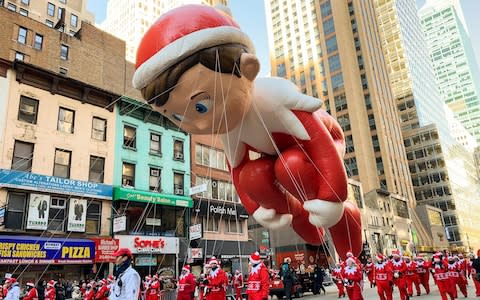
168,295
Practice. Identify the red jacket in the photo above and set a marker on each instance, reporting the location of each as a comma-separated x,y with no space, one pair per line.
423,267
32,294
89,294
258,284
368,268
353,275
238,280
186,284
217,284
440,271
50,294
399,267
383,271
102,293
411,268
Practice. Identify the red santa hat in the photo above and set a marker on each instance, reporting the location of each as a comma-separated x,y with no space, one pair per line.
213,260
186,268
419,257
110,278
350,260
103,282
51,283
380,256
30,284
437,255
255,258
171,39
11,280
396,253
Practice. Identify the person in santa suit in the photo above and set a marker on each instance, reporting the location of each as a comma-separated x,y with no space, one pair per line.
352,275
368,269
89,293
31,291
411,276
383,275
186,284
453,275
399,269
258,284
423,273
238,284
338,279
216,282
180,61
462,267
153,291
103,291
439,270
50,293
201,281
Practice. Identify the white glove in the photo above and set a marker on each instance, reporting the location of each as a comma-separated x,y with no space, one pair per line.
268,218
396,275
323,213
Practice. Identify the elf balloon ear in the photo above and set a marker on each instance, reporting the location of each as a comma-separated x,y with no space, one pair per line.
249,66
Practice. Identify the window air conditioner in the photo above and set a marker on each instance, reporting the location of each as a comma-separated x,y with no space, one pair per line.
178,191
178,155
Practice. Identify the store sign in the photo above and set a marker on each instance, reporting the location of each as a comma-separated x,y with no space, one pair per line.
149,244
119,224
77,215
38,209
151,197
196,253
153,222
145,261
224,209
196,232
198,189
37,182
104,249
38,250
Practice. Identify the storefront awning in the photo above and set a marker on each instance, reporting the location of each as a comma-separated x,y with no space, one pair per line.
227,249
120,193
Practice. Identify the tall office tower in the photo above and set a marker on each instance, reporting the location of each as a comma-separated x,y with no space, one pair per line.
433,140
332,50
130,19
61,14
453,60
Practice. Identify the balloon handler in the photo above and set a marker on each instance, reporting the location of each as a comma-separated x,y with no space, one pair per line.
197,68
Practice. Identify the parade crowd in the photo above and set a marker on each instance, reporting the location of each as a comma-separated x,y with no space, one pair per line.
407,274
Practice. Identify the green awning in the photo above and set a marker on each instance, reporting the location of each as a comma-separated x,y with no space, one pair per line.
120,193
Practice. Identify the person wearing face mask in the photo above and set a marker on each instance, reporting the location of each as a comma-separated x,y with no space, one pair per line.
186,285
258,284
440,274
337,278
127,281
399,270
31,291
216,282
238,284
383,276
423,272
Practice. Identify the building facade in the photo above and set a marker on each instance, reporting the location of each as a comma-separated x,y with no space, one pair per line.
430,144
130,19
453,60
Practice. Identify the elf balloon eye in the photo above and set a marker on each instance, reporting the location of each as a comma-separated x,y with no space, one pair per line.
203,106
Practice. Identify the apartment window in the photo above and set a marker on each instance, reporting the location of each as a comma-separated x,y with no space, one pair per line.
62,163
210,223
56,214
328,26
16,210
38,42
22,156
66,119
178,183
12,7
178,150
129,137
326,8
26,2
49,23
23,12
234,225
60,12
334,63
128,174
94,213
401,208
210,157
64,52
154,180
99,129
337,81
63,1
50,9
63,71
27,112
331,44
155,143
73,20
22,35
19,56
97,167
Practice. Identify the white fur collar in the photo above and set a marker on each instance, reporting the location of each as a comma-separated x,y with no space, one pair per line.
380,266
256,269
397,263
350,270
420,263
214,273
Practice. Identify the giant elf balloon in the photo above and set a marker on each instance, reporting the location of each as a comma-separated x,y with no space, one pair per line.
197,68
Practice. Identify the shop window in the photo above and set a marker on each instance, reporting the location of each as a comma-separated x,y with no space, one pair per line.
178,184
27,112
66,120
169,221
97,167
129,137
210,223
178,150
99,129
155,180
155,143
94,213
16,210
62,163
128,174
56,214
22,156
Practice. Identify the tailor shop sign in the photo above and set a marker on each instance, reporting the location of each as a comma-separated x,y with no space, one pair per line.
37,182
40,251
149,244
222,209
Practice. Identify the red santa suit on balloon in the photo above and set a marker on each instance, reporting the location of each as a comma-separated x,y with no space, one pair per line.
198,69
186,284
238,284
258,284
383,274
423,272
216,282
352,276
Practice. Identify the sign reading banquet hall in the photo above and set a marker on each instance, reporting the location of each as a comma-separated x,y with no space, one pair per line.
38,208
37,182
77,215
149,244
39,251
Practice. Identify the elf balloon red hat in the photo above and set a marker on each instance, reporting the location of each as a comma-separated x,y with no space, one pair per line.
186,268
255,258
181,32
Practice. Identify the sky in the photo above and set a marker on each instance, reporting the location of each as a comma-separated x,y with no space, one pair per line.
250,15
